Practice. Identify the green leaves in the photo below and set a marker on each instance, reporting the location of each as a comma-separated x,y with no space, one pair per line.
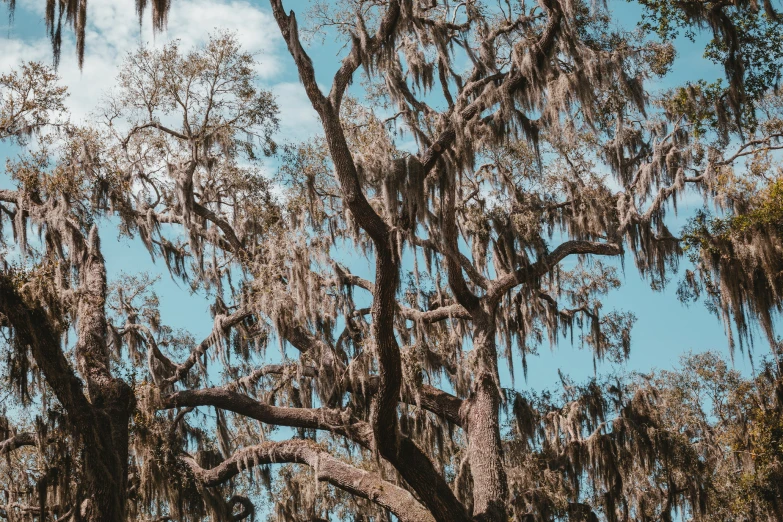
741,38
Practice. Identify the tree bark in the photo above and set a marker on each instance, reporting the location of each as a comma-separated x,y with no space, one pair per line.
112,400
99,422
482,422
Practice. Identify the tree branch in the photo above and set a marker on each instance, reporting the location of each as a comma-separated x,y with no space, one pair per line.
17,441
336,421
290,31
504,283
362,46
221,323
327,468
153,125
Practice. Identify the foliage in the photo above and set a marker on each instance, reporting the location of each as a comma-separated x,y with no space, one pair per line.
743,42
493,156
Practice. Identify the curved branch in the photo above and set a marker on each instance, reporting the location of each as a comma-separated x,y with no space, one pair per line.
17,441
327,468
475,276
221,323
222,224
153,125
510,82
362,46
290,31
153,351
430,398
32,328
248,509
453,311
411,462
504,283
336,421
457,282
348,177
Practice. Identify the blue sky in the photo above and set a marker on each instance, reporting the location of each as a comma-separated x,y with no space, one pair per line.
665,328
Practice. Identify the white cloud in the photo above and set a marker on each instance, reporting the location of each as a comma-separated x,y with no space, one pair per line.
113,31
298,120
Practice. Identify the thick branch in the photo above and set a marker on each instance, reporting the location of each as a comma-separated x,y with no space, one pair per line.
475,276
17,441
248,509
32,328
457,282
327,468
336,421
222,224
510,82
348,177
290,31
413,464
153,125
362,46
430,398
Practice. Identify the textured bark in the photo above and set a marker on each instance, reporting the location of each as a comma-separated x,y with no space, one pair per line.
100,422
481,413
111,398
482,421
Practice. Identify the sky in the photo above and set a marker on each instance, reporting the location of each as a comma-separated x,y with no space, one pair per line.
665,328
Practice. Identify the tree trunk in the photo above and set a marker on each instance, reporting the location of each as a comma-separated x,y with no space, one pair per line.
482,417
100,423
106,470
112,400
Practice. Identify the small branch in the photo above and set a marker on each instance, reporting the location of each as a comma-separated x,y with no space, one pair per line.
222,324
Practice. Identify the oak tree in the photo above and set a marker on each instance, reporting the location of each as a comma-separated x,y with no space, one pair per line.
496,165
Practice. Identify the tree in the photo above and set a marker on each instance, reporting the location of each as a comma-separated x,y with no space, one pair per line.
547,149
701,439
734,425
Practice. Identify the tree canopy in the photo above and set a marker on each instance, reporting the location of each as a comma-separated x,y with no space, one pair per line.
499,165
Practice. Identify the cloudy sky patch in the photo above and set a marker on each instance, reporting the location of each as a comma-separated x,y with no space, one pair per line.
113,31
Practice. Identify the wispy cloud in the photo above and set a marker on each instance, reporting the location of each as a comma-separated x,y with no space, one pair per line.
113,31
